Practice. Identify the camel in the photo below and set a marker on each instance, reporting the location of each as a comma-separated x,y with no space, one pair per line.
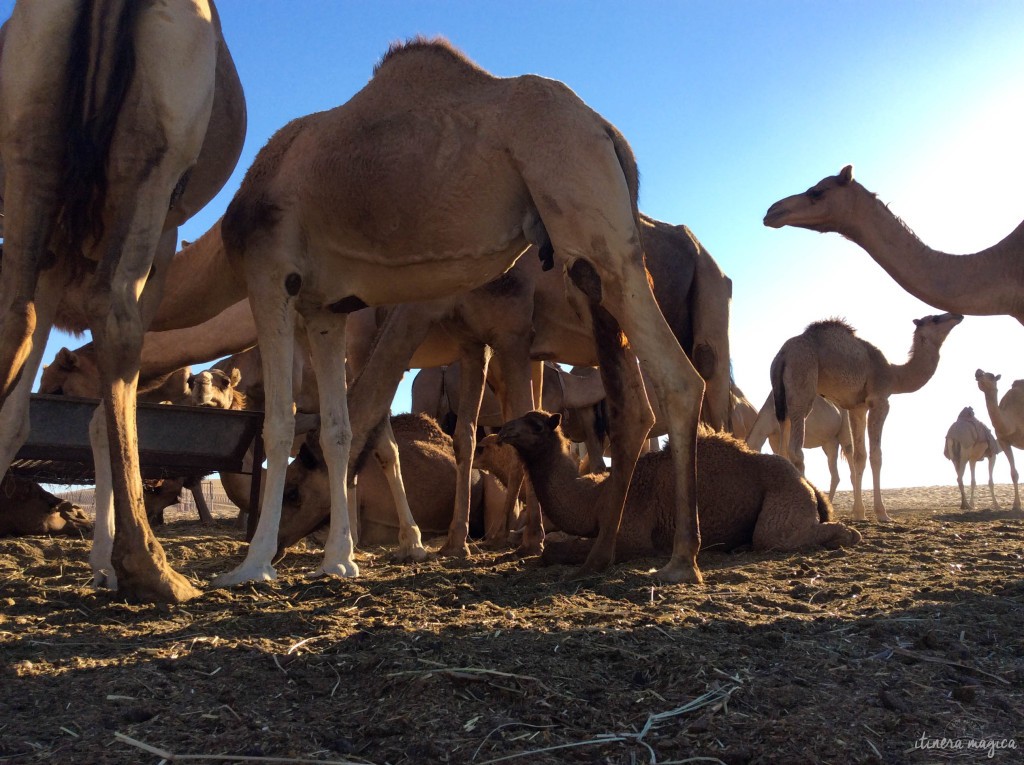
27,509
430,181
1007,421
745,498
429,471
985,283
118,121
744,413
829,359
967,441
827,426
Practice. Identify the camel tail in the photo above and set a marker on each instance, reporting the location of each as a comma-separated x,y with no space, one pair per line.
99,71
627,161
779,390
825,511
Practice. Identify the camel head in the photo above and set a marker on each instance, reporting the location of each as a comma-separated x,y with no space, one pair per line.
307,495
531,432
494,456
986,381
217,389
934,329
967,413
158,494
72,373
823,207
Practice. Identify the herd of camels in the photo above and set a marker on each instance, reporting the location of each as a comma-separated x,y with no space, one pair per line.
441,214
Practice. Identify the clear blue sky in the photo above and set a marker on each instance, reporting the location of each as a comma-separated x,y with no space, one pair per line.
730,106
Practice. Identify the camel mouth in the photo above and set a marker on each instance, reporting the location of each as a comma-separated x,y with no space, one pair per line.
773,218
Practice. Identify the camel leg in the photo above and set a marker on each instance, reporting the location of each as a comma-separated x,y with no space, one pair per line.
832,454
973,464
785,527
991,485
103,574
473,363
877,413
858,423
1008,450
410,544
964,504
195,485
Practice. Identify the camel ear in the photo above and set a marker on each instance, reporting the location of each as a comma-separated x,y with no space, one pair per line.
236,377
918,322
554,421
998,378
846,175
67,360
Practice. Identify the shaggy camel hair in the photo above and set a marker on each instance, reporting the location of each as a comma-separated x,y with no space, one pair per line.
1007,421
429,473
827,426
985,283
86,247
27,509
829,359
745,498
969,440
333,216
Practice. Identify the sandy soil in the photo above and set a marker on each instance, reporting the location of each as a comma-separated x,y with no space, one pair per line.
861,656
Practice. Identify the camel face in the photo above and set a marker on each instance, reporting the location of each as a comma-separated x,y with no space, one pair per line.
816,208
987,382
530,431
216,389
71,374
935,329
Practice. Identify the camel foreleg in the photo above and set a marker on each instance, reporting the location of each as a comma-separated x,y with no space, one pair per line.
876,420
410,544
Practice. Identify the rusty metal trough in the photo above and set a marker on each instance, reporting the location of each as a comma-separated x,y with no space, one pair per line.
173,441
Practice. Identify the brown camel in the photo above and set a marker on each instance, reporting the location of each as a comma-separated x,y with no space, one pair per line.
96,182
745,498
827,426
829,359
985,283
334,216
743,413
969,440
27,509
429,472
1007,421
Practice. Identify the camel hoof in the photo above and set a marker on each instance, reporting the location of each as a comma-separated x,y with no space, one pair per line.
676,572
103,580
170,587
416,554
861,516
530,551
454,551
258,573
341,569
883,518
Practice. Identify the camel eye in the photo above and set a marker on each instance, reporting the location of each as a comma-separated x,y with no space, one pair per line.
815,194
291,494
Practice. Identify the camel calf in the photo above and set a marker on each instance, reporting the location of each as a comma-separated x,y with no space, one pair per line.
745,498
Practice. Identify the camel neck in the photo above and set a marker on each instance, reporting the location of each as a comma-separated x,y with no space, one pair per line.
995,414
918,369
568,499
981,284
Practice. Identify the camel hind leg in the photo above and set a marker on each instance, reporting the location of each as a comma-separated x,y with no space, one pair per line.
991,485
791,519
410,543
973,464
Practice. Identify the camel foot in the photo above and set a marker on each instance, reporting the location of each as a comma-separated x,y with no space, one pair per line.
340,569
531,550
883,517
411,554
860,515
104,580
454,550
1016,512
680,572
568,553
247,572
144,580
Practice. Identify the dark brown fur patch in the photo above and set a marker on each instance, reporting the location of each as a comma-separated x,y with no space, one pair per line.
586,278
705,360
347,305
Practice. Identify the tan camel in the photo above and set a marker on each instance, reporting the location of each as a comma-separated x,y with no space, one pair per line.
459,173
97,176
429,472
27,509
1007,421
827,426
745,498
829,359
744,413
985,283
969,440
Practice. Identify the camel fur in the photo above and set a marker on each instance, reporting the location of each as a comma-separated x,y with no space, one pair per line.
745,498
969,440
27,509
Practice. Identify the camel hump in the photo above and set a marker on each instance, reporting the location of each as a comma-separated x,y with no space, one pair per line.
102,44
420,427
416,49
1017,384
832,324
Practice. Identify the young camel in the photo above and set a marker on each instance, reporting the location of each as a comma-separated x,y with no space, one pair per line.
967,441
96,182
333,217
829,359
1007,420
745,498
827,426
984,283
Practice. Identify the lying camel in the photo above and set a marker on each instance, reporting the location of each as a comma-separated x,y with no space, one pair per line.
26,508
429,472
745,498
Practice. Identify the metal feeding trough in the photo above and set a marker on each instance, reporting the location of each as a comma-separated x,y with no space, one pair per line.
173,441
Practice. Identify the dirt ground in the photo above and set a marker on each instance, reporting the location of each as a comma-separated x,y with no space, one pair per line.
906,649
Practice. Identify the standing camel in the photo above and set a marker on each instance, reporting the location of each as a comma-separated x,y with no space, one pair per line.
1007,420
986,283
826,426
967,441
829,359
431,181
118,120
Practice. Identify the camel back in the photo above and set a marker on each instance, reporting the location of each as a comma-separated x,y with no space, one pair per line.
99,69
